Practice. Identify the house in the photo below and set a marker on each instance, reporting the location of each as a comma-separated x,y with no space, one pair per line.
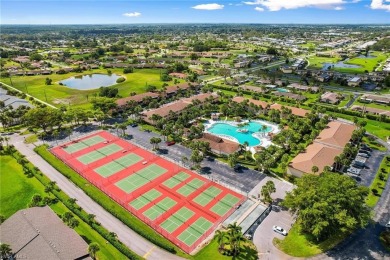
371,110
330,98
178,75
375,98
287,69
290,95
294,110
322,152
354,82
220,145
38,233
323,77
303,87
259,103
137,98
176,106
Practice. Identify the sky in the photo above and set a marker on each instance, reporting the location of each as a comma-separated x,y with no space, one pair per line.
188,11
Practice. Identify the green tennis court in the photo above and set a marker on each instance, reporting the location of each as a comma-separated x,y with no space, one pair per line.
177,219
80,145
117,165
145,199
225,204
99,153
207,195
195,231
140,178
190,187
158,209
176,179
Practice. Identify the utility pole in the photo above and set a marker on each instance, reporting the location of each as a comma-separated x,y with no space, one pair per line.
44,91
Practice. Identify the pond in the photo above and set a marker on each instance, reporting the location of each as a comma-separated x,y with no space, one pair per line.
91,81
340,64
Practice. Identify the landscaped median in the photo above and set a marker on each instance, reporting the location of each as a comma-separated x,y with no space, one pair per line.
379,183
108,204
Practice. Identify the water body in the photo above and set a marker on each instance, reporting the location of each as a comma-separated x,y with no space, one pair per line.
92,81
241,137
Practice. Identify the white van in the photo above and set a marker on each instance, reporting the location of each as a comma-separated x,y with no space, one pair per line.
388,225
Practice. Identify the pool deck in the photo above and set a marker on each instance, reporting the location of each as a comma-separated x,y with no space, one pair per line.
265,141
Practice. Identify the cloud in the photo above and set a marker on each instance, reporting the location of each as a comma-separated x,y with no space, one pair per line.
380,5
208,7
133,14
339,8
259,9
277,5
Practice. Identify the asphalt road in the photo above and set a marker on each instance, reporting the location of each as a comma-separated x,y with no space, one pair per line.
132,240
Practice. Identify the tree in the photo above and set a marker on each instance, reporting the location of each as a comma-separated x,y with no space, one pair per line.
48,81
45,118
93,248
235,237
267,190
328,204
221,237
5,251
314,169
232,159
103,103
272,51
2,219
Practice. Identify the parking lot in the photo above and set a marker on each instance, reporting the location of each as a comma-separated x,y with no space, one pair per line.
366,175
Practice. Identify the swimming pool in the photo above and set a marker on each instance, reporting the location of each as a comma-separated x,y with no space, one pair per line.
282,90
246,134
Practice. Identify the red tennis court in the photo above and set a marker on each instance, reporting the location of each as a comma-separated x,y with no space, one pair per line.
179,204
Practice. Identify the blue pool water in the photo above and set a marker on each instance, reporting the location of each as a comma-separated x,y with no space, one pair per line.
229,130
282,90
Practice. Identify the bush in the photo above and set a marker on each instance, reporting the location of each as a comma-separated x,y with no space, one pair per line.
374,191
120,80
103,200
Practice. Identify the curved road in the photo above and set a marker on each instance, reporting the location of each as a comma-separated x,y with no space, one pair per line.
127,236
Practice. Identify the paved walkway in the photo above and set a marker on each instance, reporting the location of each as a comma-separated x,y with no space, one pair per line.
131,239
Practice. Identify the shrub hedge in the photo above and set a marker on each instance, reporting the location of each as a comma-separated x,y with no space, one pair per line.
64,198
106,202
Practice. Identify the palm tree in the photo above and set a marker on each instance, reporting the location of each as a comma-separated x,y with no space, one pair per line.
93,248
5,251
221,236
314,169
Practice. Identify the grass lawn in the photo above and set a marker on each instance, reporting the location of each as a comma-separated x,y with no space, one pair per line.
378,184
13,183
56,94
368,63
317,62
301,245
31,139
248,252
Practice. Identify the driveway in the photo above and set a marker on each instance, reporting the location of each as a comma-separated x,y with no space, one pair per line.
279,216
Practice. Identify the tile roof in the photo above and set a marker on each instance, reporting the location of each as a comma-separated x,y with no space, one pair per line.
263,104
220,145
136,98
40,228
336,134
294,110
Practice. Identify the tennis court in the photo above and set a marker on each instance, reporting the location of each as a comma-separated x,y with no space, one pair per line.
181,205
225,204
140,178
190,187
177,219
158,209
145,199
99,153
195,231
118,165
207,196
82,144
176,179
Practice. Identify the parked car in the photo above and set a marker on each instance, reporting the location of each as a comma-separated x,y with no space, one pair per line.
388,225
365,147
358,165
237,167
279,230
353,170
134,125
247,236
169,143
363,155
365,152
